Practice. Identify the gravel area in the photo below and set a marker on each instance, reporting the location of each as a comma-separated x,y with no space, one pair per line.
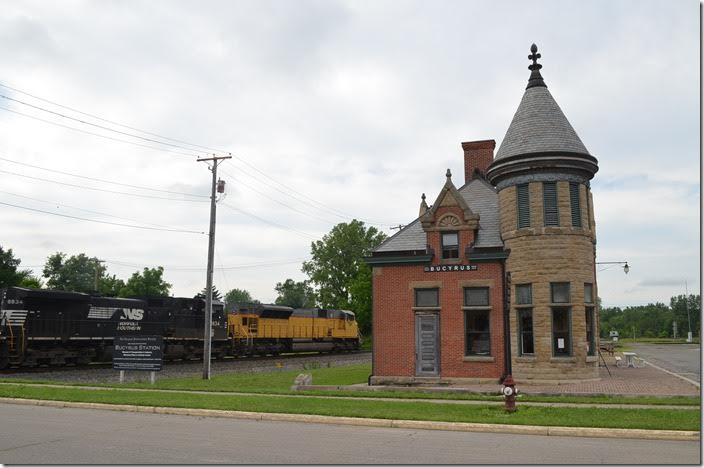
105,374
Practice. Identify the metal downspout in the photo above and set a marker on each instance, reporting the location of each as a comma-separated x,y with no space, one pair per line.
506,277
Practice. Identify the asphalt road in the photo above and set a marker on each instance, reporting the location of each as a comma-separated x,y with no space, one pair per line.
682,359
45,435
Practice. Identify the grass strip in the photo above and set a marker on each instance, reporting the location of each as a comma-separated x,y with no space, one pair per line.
412,410
279,382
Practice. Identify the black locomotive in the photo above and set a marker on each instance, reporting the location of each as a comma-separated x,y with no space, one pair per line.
39,327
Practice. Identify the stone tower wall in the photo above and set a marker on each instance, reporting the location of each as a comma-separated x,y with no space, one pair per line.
541,255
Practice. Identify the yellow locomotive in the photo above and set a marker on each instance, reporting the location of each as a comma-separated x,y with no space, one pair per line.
273,329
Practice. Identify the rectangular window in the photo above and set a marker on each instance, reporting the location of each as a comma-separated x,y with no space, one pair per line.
476,297
525,331
561,336
575,206
588,293
524,294
476,319
559,293
450,245
427,298
523,201
589,312
550,212
478,342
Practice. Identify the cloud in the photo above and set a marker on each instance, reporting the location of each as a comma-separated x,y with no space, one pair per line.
346,109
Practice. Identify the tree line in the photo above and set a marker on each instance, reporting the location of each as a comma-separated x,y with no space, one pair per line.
338,277
653,320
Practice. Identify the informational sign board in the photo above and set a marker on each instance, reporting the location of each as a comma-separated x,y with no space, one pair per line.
144,353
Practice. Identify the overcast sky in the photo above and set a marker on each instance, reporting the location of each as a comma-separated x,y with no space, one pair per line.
333,110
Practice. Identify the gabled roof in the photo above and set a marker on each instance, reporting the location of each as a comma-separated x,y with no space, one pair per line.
484,201
411,237
480,197
448,196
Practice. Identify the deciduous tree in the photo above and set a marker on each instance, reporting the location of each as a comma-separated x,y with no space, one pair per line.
75,273
110,285
149,283
337,268
296,294
31,281
9,274
238,296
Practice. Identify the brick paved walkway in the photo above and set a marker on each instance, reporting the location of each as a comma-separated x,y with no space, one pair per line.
628,381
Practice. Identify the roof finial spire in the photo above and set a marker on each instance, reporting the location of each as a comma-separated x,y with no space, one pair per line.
448,174
423,206
535,78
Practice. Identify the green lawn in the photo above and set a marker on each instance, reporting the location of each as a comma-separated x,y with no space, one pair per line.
279,382
412,410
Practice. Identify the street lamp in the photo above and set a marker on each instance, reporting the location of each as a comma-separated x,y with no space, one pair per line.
626,268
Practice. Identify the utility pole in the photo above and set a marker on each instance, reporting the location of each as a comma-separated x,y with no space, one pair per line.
207,332
95,273
686,307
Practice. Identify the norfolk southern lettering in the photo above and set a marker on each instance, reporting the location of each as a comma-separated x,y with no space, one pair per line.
438,268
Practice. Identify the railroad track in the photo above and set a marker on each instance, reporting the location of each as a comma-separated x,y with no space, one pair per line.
103,372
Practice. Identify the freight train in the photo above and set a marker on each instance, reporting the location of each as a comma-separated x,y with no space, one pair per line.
42,327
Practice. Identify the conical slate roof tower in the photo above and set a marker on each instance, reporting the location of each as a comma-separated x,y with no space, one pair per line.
540,137
542,172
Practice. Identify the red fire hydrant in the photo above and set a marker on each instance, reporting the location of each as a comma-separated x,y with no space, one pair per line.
508,389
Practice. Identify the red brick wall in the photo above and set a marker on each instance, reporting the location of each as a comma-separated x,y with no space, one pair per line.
394,320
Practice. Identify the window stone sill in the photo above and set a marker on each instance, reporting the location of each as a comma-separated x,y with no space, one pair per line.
479,359
592,359
563,359
450,261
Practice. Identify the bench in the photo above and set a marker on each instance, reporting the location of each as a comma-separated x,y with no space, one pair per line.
607,347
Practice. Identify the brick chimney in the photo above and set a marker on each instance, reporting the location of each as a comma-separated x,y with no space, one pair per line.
477,157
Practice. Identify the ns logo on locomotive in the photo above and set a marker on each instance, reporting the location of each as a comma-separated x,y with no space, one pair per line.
41,327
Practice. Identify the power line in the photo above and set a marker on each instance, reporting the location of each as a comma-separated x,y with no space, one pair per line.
266,221
106,120
233,267
96,134
276,187
99,190
103,180
320,206
59,205
182,268
239,181
102,127
102,222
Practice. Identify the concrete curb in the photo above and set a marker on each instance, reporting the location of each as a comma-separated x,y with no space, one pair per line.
401,424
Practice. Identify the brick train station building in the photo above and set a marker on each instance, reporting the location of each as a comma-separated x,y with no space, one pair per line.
496,276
